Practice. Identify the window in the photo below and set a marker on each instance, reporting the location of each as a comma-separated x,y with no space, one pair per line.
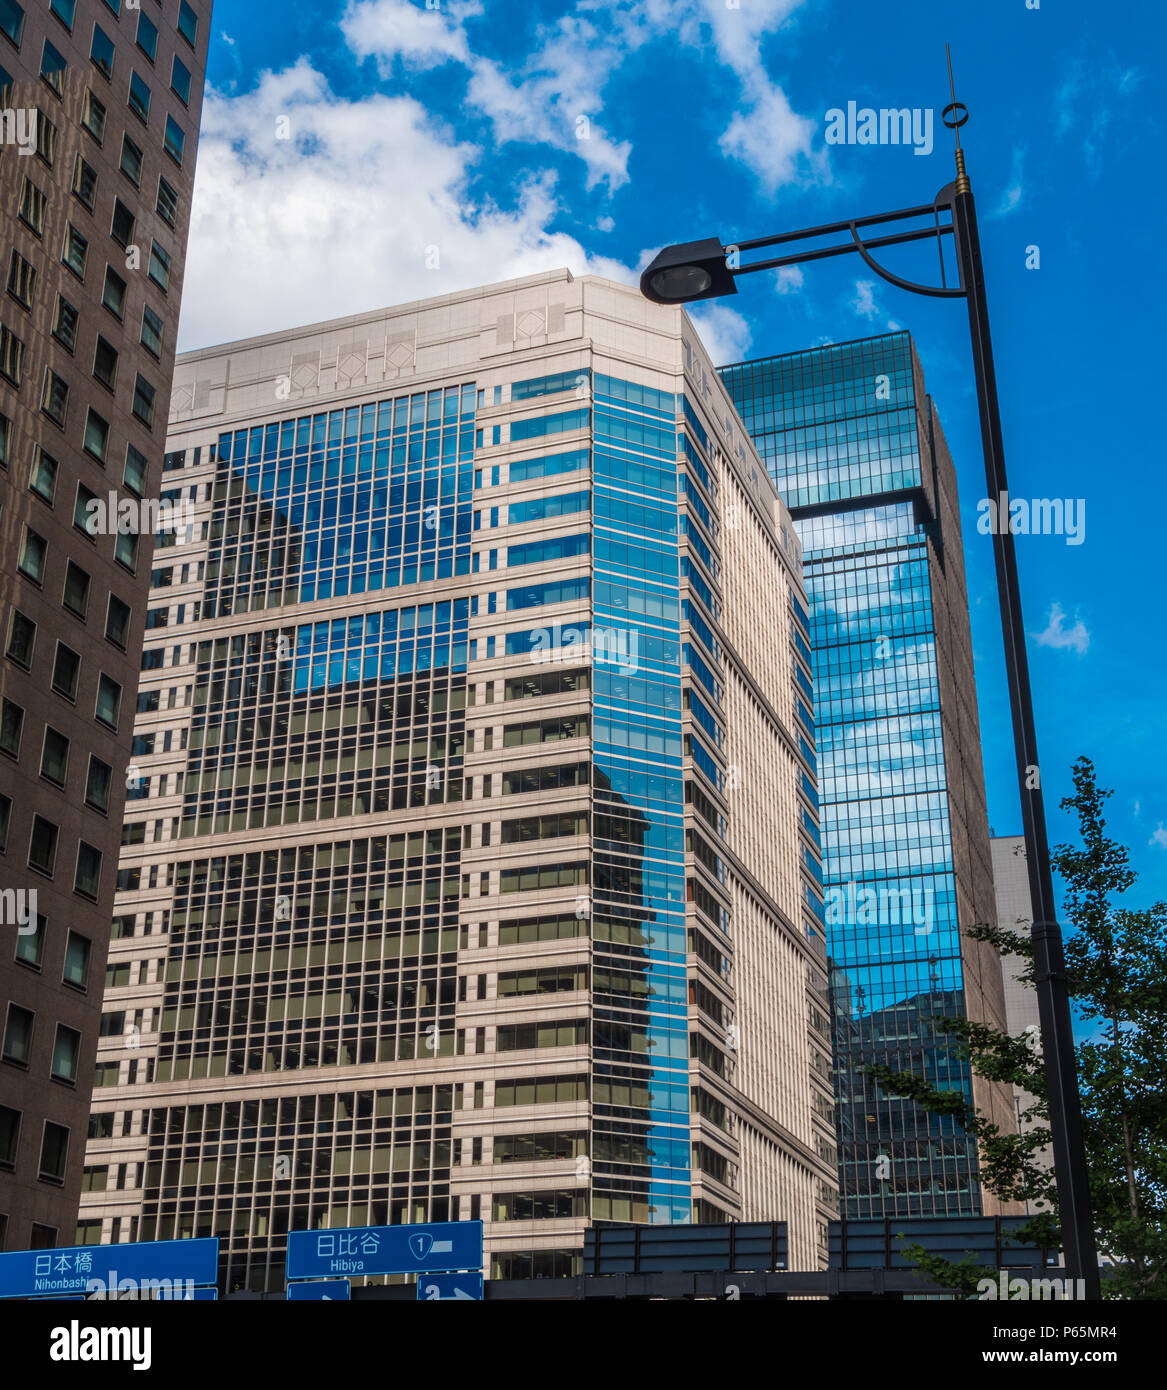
180,81
18,1035
144,395
21,279
64,10
54,756
11,725
84,516
46,138
32,206
105,362
136,466
96,435
65,323
43,1237
93,117
76,598
102,51
167,201
151,331
117,622
42,845
160,266
11,355
175,139
44,476
21,639
77,951
126,550
30,945
52,66
85,182
66,668
109,700
54,1153
122,227
131,163
66,1051
87,881
75,251
9,1137
55,397
139,101
12,20
114,294
5,821
147,39
32,556
188,23
98,784
5,440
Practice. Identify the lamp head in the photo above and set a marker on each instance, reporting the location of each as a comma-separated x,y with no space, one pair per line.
681,274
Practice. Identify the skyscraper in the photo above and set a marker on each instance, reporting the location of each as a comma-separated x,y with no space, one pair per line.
473,871
854,444
99,125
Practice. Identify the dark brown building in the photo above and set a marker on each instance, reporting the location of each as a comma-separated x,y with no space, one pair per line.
98,136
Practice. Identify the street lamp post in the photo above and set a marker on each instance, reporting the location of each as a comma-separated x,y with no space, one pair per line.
705,270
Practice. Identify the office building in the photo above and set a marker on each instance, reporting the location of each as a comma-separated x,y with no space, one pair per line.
99,120
474,870
854,444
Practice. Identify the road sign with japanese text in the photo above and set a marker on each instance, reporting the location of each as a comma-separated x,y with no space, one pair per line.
359,1250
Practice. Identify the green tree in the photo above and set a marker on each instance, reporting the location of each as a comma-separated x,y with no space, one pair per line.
1116,964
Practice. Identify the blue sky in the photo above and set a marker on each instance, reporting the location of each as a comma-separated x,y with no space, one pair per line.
514,137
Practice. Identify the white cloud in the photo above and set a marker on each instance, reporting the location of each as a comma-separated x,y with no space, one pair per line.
1159,838
389,29
1059,636
294,231
556,96
863,305
788,280
723,330
1014,192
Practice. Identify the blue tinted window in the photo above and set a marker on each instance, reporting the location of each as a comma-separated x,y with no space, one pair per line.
521,469
64,10
188,23
139,97
180,80
101,50
11,20
175,139
147,37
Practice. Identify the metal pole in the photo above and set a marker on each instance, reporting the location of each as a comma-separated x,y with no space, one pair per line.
1053,1002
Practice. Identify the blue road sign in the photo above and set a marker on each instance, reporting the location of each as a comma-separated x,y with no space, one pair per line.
320,1290
151,1266
359,1250
449,1288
